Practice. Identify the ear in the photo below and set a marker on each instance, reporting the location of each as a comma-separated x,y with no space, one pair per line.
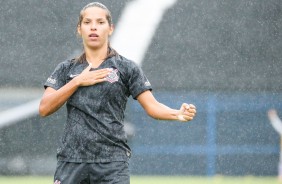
78,30
111,30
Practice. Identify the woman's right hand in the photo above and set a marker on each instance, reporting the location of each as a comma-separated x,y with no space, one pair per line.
53,99
88,78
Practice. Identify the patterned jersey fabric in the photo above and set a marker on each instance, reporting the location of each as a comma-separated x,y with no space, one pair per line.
94,131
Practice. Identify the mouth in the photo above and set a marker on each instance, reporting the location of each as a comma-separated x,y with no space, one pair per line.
93,35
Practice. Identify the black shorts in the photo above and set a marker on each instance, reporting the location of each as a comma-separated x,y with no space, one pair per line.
92,173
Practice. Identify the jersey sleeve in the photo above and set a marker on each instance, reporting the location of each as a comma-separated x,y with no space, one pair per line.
138,82
58,78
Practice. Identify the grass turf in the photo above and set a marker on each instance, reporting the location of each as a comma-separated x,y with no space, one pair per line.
154,180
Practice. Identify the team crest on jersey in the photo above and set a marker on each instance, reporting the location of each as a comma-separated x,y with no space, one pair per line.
112,76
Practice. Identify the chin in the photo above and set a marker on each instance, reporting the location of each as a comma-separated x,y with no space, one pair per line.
94,47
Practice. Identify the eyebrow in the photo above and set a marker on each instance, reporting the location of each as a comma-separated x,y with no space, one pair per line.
98,19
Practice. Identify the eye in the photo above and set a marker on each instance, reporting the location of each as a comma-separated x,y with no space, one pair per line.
101,22
86,22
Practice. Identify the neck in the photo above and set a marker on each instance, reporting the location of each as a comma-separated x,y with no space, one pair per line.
96,56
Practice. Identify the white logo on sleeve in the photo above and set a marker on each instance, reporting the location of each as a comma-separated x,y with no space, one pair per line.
51,81
112,76
147,83
73,75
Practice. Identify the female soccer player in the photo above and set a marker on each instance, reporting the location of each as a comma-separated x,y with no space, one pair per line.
96,87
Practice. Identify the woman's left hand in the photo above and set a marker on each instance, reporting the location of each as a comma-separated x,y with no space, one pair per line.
187,112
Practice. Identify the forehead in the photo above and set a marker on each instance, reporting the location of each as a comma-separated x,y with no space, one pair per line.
94,13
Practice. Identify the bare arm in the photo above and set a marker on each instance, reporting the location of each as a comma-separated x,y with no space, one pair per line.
275,120
53,99
159,111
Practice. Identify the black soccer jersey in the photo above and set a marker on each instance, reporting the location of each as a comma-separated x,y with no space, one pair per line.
94,131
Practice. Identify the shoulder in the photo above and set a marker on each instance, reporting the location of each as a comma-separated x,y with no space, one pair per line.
124,62
66,65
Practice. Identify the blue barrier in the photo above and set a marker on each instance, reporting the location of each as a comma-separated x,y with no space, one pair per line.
233,123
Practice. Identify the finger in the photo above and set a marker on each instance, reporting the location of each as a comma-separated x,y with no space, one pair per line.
181,118
192,106
103,70
189,113
87,69
98,74
183,107
100,80
184,118
188,118
186,106
101,75
191,110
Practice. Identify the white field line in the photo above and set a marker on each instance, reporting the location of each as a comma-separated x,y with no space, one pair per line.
21,112
137,26
131,38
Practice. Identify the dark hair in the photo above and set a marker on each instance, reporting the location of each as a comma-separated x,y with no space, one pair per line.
111,52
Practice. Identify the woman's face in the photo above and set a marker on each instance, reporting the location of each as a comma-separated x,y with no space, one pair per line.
94,28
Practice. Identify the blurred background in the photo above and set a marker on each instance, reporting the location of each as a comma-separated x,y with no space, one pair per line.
224,56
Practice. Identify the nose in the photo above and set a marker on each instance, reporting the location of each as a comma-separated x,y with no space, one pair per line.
93,26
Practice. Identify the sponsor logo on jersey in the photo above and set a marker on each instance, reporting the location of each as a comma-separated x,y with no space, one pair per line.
52,81
112,76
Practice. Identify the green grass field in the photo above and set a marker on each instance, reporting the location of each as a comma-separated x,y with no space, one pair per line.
155,180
